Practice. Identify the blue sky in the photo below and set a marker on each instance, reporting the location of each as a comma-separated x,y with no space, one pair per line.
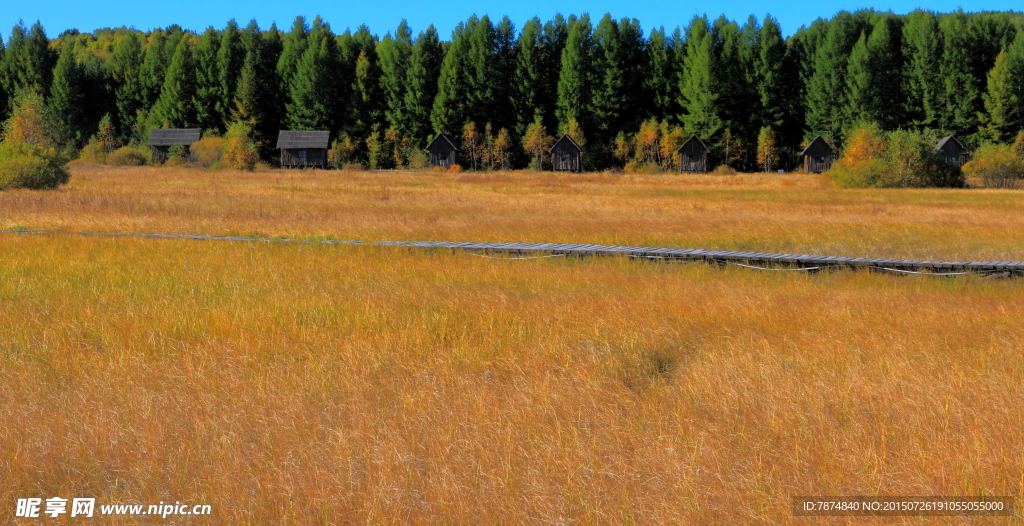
383,15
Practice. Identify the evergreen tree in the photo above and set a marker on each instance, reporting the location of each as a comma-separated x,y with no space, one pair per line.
293,48
230,59
529,77
699,88
660,83
421,89
175,108
872,78
255,102
770,75
576,77
67,95
826,87
504,67
28,60
208,95
153,69
312,97
554,38
960,89
1004,100
922,50
124,68
451,108
367,107
394,53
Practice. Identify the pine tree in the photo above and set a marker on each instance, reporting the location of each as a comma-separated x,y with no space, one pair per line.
256,101
553,41
394,55
960,89
424,69
872,78
124,69
153,69
230,59
504,71
769,72
826,87
67,96
292,49
451,107
1004,100
208,95
312,95
699,88
28,60
922,49
576,77
174,108
366,106
529,77
660,83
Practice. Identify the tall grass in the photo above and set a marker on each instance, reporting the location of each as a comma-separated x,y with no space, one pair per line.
293,384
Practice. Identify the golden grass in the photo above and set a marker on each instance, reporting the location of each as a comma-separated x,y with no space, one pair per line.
759,212
295,384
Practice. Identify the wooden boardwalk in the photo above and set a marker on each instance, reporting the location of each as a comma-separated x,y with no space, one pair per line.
758,260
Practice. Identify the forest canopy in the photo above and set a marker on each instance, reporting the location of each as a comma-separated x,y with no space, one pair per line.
624,93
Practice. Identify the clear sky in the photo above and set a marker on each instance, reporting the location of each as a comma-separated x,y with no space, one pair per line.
383,15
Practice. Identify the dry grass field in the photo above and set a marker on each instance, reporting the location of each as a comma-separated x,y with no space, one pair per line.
310,384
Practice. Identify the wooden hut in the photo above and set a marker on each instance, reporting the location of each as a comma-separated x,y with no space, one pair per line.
161,140
818,156
566,155
952,151
444,151
693,155
302,149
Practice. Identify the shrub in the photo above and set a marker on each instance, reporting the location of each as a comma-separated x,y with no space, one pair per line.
997,165
723,169
418,159
128,156
208,150
28,166
863,160
177,155
455,168
240,152
898,159
93,152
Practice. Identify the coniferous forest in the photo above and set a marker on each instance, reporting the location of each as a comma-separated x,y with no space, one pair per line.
628,96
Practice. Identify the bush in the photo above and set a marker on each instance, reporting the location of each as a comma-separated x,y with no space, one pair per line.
997,165
240,151
208,150
128,156
723,169
94,152
27,166
177,155
455,168
418,159
897,159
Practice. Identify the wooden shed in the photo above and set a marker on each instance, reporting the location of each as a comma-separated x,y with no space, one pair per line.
444,151
161,140
566,155
302,149
818,156
693,155
952,151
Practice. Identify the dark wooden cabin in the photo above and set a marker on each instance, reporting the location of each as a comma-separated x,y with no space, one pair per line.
161,140
693,155
818,156
952,151
566,155
444,151
303,149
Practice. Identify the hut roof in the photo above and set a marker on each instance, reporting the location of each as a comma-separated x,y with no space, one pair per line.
945,140
288,139
691,139
817,140
566,138
171,137
446,138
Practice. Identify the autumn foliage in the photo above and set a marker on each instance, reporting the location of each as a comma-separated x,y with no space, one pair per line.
29,157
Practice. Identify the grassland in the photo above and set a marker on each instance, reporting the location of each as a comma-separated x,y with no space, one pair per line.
299,384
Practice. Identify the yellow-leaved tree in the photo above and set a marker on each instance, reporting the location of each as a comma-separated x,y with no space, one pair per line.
29,154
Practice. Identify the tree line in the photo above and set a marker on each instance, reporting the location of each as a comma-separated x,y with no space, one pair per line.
754,96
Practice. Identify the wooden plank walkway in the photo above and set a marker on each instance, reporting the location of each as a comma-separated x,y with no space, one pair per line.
758,260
